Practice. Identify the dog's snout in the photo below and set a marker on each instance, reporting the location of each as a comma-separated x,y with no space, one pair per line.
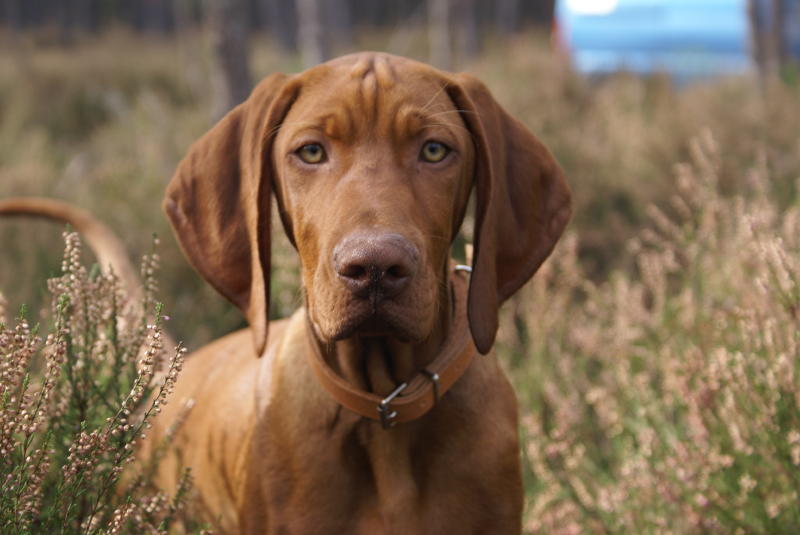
375,266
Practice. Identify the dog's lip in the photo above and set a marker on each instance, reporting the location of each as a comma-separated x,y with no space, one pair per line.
372,321
373,325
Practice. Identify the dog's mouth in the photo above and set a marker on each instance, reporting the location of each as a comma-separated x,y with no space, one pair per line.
341,313
386,318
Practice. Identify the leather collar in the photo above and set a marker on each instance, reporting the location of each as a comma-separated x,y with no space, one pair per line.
415,398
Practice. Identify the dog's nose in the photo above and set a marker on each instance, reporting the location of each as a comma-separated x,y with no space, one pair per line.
375,265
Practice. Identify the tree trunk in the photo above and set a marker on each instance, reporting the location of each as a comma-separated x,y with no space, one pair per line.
17,47
439,34
768,37
758,35
313,42
191,58
156,15
507,16
340,23
228,23
85,19
65,26
184,18
778,32
282,23
469,41
12,16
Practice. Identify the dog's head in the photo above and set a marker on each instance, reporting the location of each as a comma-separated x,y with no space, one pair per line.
372,159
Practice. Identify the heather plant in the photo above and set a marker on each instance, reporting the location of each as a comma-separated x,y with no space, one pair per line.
103,124
667,399
74,403
654,354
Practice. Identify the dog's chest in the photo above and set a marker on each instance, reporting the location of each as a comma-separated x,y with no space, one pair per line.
389,487
454,471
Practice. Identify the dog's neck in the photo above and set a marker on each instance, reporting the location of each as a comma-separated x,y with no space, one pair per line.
379,364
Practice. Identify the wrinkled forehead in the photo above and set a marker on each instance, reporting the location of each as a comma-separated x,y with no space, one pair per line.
376,94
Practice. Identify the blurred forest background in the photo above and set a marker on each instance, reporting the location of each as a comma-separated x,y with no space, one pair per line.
314,29
655,355
142,79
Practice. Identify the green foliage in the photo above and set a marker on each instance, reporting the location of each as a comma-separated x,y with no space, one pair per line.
74,403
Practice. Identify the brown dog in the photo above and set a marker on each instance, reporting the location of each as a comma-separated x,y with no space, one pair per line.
366,412
371,159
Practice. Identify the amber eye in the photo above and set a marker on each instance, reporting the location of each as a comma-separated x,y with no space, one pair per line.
311,153
433,151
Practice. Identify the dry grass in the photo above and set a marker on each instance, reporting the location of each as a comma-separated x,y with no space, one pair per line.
655,355
666,399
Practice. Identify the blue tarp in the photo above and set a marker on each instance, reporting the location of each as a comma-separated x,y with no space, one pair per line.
686,38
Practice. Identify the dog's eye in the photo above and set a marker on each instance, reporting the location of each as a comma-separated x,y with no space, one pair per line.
311,153
433,151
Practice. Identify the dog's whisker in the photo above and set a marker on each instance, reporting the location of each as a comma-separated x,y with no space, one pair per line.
435,95
276,422
446,112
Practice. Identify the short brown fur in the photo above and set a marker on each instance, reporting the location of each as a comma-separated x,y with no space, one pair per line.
270,449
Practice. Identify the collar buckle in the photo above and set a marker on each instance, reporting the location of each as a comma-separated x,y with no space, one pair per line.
384,409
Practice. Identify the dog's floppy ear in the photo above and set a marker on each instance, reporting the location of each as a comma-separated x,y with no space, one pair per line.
523,205
218,201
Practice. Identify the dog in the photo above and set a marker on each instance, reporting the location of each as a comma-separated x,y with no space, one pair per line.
378,407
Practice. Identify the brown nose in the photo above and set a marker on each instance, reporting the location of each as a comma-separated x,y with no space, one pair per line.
375,266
